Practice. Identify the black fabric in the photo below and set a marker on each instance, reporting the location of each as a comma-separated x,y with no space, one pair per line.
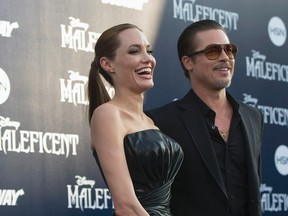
199,188
153,160
230,156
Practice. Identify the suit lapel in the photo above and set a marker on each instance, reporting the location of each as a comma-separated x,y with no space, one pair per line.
200,136
248,126
250,136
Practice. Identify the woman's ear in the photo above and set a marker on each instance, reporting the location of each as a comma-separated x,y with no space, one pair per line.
187,63
106,65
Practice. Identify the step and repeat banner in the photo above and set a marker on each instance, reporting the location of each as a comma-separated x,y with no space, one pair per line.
46,47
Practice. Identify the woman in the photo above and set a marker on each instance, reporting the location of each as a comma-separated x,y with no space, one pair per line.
137,161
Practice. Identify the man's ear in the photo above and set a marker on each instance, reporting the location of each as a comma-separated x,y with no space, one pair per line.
106,64
187,63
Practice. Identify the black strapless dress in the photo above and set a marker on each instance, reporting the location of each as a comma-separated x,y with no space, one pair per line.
153,160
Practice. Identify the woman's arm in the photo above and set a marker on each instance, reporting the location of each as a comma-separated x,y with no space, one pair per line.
107,132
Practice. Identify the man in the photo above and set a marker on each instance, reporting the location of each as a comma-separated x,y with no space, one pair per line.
221,138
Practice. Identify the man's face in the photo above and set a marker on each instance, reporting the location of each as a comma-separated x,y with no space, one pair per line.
212,74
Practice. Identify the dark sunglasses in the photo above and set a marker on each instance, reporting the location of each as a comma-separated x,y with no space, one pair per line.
213,51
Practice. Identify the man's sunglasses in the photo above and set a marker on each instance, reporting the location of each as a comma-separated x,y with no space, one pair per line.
213,51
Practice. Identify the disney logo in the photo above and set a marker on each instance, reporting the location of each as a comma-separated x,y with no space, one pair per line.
248,99
75,76
83,181
5,122
257,55
264,188
76,23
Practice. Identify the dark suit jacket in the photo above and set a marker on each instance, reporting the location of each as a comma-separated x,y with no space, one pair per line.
198,188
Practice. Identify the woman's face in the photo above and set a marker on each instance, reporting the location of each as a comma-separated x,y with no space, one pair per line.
134,65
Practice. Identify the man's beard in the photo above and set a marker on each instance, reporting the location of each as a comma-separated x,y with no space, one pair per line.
222,84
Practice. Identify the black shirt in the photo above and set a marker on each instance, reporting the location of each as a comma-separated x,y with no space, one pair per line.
231,156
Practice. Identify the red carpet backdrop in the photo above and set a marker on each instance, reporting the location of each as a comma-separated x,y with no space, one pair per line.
46,47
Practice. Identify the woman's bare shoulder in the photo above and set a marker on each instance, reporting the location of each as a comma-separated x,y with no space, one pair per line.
106,115
107,126
106,109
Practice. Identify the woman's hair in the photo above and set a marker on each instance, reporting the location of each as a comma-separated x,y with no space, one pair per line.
106,46
187,41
